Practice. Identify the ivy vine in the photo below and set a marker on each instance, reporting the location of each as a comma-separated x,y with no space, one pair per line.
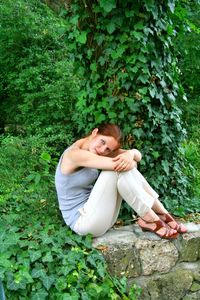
123,53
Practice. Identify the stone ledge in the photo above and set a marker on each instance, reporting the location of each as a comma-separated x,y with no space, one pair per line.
164,269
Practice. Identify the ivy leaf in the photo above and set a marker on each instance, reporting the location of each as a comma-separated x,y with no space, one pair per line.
35,255
38,273
142,58
155,154
143,78
14,286
118,52
7,240
61,283
139,26
48,257
152,92
48,281
165,166
171,4
110,27
5,261
138,35
39,295
112,114
107,5
82,38
93,67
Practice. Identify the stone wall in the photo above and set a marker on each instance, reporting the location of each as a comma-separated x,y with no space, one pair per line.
164,269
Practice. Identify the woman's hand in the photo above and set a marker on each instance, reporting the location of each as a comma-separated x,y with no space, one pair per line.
124,161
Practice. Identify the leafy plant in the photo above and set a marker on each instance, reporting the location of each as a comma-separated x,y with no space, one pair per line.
189,63
40,257
37,84
124,55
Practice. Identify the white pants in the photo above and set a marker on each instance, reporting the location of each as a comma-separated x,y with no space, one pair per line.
101,210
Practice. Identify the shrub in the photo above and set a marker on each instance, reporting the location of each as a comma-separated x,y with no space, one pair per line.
36,82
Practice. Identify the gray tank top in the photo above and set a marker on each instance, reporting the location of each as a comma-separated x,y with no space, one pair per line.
73,191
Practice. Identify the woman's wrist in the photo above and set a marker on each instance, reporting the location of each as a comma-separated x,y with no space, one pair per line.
137,156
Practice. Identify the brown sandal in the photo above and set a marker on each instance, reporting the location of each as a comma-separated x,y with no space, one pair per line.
167,218
159,224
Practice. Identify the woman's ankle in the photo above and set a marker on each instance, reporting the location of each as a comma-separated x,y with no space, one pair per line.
150,217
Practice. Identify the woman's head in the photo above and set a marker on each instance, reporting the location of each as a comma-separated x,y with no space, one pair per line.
106,138
111,130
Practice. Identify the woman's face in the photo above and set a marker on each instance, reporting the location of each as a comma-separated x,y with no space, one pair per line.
102,144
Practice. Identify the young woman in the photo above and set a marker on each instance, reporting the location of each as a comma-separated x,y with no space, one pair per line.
90,202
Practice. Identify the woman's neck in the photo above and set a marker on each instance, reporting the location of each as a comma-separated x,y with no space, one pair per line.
83,143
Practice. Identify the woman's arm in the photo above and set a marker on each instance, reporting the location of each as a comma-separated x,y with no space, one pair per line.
126,157
76,157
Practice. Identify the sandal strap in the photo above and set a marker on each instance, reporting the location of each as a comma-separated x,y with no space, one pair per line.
160,224
168,218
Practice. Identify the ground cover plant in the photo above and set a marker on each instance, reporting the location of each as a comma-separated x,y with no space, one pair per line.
40,258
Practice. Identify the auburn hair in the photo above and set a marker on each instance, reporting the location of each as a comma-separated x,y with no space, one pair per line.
113,130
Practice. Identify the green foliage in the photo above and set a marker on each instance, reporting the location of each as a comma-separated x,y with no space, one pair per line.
36,81
40,258
187,49
124,53
192,153
17,158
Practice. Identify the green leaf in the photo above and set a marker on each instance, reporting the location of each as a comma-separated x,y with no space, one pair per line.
139,25
48,257
143,78
93,67
138,35
142,58
107,5
39,295
48,281
37,178
165,165
46,156
82,37
155,154
5,260
38,273
152,92
14,286
118,52
61,283
171,4
7,240
34,255
110,27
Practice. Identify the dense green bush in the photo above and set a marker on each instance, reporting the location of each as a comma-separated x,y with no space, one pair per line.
36,82
40,258
187,49
24,164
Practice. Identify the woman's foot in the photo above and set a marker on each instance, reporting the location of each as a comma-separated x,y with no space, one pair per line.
169,220
159,228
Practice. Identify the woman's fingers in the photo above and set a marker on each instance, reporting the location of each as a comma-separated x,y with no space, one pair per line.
122,165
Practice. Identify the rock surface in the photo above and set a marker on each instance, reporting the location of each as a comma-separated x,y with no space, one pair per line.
164,269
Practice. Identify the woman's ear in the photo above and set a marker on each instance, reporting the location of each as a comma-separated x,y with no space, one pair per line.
94,132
